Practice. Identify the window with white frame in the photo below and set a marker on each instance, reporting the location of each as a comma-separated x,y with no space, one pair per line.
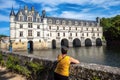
29,25
38,34
21,25
29,32
21,34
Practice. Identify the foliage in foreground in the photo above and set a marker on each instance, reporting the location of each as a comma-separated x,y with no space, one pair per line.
31,70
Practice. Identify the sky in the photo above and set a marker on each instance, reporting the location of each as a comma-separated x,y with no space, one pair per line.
76,9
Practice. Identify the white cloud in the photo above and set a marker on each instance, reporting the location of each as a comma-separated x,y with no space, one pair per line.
4,18
77,15
8,4
83,15
100,3
49,9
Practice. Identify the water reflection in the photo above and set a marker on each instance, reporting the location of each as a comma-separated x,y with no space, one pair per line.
98,55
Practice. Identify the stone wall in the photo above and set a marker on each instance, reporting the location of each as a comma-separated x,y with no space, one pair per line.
82,71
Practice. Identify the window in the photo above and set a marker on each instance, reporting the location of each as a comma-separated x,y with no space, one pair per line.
92,29
69,22
38,26
76,23
76,34
21,33
21,25
58,34
29,18
29,25
87,29
82,34
98,34
49,27
76,28
87,34
50,21
97,29
57,21
29,32
84,24
70,34
38,34
63,34
21,18
93,34
63,28
38,19
57,27
69,28
63,22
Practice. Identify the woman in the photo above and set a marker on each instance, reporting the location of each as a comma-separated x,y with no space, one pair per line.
62,70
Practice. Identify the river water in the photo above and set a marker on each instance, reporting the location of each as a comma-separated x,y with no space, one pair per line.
99,55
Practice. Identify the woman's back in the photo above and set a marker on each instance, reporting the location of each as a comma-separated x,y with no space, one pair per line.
63,65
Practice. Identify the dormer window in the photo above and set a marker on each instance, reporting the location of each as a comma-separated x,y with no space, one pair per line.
76,23
57,22
69,22
50,21
29,18
38,19
84,24
21,18
63,22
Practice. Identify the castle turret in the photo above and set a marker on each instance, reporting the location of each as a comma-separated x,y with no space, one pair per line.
98,21
25,9
12,24
32,9
12,15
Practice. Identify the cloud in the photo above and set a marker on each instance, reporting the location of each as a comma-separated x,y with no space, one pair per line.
4,18
49,9
99,3
8,4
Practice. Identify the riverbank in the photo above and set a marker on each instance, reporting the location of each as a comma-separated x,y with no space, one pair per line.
7,75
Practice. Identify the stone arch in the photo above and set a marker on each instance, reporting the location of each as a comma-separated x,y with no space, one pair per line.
76,42
88,42
53,44
64,42
98,42
30,46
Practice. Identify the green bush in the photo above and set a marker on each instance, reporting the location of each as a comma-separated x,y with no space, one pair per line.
2,63
36,70
11,62
95,78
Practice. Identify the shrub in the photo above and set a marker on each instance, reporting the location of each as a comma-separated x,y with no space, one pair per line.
2,63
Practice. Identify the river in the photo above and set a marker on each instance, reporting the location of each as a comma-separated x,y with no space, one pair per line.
99,55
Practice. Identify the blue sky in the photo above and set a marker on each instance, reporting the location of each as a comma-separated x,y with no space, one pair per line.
78,9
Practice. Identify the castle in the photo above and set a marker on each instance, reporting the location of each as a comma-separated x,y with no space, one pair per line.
29,29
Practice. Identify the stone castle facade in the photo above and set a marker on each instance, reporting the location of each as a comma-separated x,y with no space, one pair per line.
29,29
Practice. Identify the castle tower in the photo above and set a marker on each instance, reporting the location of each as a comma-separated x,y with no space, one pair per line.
98,21
12,24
